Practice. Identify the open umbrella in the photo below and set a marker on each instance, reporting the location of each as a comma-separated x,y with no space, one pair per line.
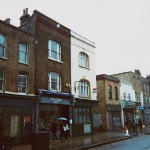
62,118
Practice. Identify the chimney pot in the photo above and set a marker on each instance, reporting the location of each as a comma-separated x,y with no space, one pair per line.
7,20
26,10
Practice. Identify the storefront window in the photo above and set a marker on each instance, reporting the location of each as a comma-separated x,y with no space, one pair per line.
75,115
84,115
80,115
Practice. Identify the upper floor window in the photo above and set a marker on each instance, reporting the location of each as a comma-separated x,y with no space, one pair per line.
138,81
124,96
54,81
23,53
83,60
22,83
54,50
134,80
84,88
2,45
109,92
129,97
136,96
116,93
1,79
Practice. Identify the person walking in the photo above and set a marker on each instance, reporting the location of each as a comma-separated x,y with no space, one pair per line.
64,130
54,130
140,123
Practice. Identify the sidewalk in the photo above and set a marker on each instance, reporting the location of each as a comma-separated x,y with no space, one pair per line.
84,142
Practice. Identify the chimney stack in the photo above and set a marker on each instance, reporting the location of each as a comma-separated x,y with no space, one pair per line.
25,17
7,20
137,72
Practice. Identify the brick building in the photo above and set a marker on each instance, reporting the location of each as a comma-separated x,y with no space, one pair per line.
53,65
109,106
17,79
133,104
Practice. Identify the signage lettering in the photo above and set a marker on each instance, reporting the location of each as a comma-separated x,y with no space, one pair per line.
56,100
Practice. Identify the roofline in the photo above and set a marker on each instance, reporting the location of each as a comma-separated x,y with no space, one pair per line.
16,28
107,77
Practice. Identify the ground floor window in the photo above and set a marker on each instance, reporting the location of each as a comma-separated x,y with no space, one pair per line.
15,122
81,115
114,118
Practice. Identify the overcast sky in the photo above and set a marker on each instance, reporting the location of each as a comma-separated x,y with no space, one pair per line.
119,28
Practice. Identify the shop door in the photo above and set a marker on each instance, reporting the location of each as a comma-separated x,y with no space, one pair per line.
14,125
64,111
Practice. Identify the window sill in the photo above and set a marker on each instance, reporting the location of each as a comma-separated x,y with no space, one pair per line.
3,58
84,67
85,97
24,63
55,60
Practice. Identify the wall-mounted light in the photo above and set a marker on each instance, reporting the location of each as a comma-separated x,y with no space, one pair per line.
36,42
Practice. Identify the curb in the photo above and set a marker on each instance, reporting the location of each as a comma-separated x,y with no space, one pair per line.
101,144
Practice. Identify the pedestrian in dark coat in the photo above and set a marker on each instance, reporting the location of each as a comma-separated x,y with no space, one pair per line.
54,130
140,123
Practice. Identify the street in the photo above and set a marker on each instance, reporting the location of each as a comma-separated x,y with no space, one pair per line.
141,142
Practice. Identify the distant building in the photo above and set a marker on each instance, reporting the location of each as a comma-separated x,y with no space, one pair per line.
133,104
109,105
146,99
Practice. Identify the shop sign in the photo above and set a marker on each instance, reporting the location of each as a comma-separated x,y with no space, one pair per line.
140,107
55,100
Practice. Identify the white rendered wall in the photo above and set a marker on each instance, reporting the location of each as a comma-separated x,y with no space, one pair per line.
81,44
127,88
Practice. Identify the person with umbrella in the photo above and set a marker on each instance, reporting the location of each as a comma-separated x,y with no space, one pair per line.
63,126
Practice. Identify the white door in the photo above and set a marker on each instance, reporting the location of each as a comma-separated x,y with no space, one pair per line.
14,126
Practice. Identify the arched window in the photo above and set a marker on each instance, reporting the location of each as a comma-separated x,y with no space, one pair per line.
84,88
109,92
116,93
54,81
54,50
83,60
2,45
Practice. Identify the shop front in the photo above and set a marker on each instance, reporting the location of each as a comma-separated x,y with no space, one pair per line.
54,105
114,117
16,116
82,121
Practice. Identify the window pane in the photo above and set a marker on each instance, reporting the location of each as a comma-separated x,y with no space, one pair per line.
23,48
1,51
84,115
1,85
88,115
1,73
75,114
54,55
2,39
80,115
54,46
